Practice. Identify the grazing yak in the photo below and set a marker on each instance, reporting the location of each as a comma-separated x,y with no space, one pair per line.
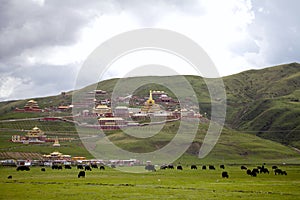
68,167
87,168
150,168
23,168
274,167
204,167
211,167
102,167
179,167
164,167
264,170
252,173
193,167
222,166
81,174
59,167
94,166
280,172
170,166
243,167
9,177
79,166
225,175
54,167
43,169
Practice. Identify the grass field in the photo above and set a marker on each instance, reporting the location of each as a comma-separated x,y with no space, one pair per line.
162,184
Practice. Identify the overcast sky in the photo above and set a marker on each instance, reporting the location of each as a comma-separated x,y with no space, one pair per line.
43,43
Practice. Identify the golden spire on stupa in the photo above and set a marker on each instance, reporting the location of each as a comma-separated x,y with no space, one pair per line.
150,106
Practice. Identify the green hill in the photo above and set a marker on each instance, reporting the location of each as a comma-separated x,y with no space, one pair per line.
264,103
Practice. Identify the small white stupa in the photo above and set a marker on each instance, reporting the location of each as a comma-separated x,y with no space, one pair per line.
56,143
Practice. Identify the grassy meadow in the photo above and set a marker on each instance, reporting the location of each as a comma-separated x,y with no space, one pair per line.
162,184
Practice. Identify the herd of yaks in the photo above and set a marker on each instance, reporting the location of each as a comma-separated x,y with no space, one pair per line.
251,172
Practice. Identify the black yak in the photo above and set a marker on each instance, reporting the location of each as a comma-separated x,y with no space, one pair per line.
23,168
222,166
274,167
81,174
193,167
170,166
94,166
280,172
164,167
179,167
43,169
68,167
211,167
87,168
79,167
203,167
9,177
102,167
225,175
243,167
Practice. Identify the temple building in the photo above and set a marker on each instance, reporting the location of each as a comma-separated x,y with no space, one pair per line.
102,110
35,135
31,106
150,106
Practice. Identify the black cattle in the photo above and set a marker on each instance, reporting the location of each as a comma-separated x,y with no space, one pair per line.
79,167
255,170
87,168
150,168
54,167
179,167
274,167
102,167
251,173
23,168
280,172
59,167
164,167
194,167
43,169
170,166
94,166
81,174
9,177
264,170
222,166
68,167
225,175
211,167
204,167
243,167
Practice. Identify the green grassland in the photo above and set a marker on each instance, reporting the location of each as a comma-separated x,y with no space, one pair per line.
232,146
162,184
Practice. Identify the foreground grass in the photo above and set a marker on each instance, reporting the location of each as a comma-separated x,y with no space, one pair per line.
162,184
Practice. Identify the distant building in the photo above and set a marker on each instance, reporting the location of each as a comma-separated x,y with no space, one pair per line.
101,110
121,111
35,135
112,123
31,106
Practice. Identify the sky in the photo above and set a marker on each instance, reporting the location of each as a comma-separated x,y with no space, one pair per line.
44,43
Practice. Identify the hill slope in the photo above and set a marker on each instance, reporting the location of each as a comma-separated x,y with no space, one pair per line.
264,102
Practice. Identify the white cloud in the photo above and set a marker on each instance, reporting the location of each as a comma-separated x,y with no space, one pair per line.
49,36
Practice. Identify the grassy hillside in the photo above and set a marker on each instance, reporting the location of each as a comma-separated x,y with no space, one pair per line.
262,102
266,102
